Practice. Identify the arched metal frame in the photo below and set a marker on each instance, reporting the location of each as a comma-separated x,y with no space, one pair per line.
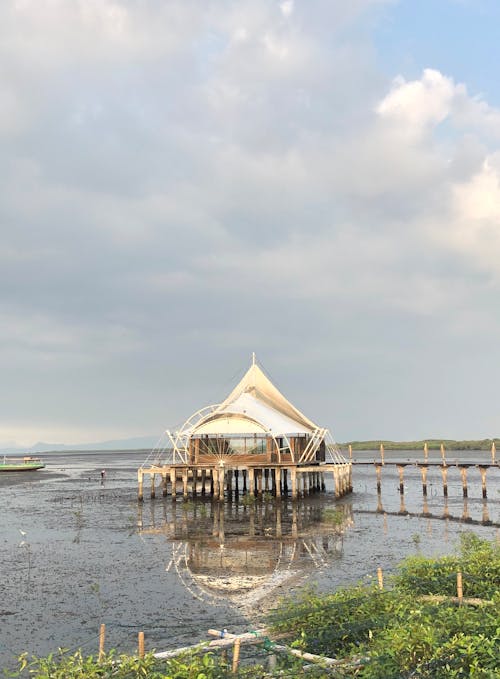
180,439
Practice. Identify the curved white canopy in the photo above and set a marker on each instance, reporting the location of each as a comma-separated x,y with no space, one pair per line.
254,406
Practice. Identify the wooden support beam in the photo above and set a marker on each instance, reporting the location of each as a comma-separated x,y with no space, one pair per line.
140,493
152,485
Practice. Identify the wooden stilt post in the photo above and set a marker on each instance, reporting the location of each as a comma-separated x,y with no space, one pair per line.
222,474
380,577
293,479
140,494
336,481
140,643
230,482
215,483
350,451
444,474
493,452
401,471
102,636
426,452
443,457
152,485
212,481
251,481
277,477
402,507
259,482
173,482
237,481
486,516
285,481
185,483
203,482
244,472
423,471
482,471
378,472
463,474
323,485
266,480
382,453
195,482
164,483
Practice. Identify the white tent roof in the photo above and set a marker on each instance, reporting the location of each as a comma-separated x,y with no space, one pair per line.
255,406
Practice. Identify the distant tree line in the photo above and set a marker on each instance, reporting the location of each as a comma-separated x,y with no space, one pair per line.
432,444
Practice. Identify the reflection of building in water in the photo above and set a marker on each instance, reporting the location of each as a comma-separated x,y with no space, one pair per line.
241,553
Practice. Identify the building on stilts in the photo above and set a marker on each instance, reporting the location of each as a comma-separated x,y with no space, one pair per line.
254,442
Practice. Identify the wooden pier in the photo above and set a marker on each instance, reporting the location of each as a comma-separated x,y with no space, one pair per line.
223,478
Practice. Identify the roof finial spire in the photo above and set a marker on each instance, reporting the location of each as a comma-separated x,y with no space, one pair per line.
253,357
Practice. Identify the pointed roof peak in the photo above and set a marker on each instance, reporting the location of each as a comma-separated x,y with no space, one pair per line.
256,383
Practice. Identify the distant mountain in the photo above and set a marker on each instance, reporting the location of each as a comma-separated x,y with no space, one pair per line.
137,443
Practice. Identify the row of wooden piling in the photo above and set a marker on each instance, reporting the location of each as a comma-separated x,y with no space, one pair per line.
493,452
483,468
217,481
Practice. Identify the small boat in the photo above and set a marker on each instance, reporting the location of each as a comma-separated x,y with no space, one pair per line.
20,464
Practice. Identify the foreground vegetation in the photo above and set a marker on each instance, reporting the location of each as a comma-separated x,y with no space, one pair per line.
432,444
400,632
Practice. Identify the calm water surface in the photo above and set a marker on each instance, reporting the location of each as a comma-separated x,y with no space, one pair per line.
75,552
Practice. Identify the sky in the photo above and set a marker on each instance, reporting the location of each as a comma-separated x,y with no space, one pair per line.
185,182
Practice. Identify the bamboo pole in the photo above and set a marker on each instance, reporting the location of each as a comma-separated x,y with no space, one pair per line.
460,592
236,655
382,453
380,577
443,457
102,636
140,642
426,451
493,452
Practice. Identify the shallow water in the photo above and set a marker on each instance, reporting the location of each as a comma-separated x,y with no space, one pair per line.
89,553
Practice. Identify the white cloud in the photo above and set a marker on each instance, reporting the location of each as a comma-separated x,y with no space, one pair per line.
419,103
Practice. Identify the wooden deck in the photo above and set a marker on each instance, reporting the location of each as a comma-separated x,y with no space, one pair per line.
244,474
